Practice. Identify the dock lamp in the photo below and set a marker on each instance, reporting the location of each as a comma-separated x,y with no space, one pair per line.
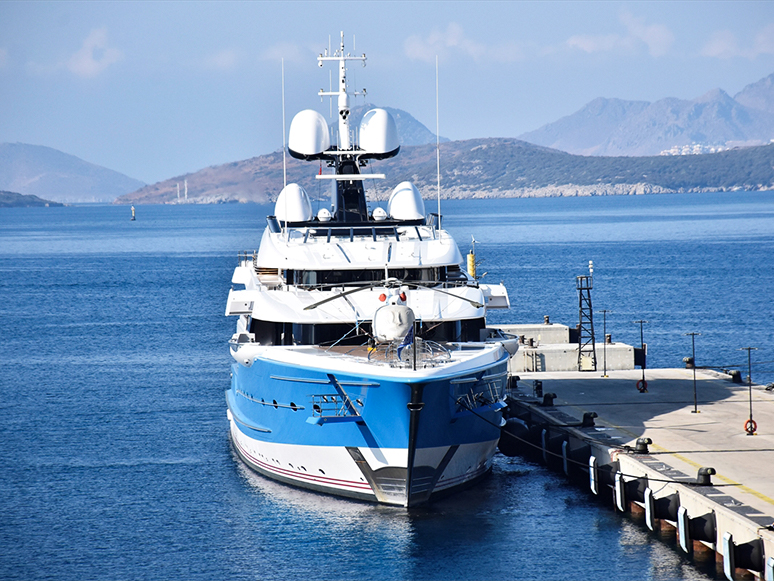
693,355
642,385
604,335
749,425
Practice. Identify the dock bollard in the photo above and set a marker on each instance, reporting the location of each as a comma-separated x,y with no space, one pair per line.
641,447
703,478
588,419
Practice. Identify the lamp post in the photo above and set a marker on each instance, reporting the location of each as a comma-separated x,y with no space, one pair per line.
642,385
604,337
749,425
693,355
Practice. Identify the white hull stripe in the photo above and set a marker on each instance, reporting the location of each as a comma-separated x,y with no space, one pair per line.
338,483
364,486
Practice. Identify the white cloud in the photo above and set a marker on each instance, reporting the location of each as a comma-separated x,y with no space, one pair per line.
723,44
596,43
764,41
442,43
94,56
285,50
451,42
3,58
657,37
224,60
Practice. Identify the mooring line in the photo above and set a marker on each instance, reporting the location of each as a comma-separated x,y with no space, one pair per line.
585,465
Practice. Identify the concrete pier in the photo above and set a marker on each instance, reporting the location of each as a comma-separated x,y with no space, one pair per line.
547,347
729,509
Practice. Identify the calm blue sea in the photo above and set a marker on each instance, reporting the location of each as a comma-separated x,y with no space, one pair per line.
114,456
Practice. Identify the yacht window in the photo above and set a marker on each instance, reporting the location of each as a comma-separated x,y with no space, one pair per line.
271,333
332,278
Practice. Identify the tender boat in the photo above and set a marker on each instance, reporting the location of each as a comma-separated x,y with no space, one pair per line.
363,364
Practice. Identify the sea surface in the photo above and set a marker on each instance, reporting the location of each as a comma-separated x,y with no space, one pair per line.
114,456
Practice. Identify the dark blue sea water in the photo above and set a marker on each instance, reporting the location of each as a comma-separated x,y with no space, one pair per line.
114,456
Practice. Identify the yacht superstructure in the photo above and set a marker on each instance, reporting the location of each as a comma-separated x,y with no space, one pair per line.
363,365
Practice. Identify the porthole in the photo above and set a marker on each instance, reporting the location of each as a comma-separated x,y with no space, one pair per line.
293,406
274,401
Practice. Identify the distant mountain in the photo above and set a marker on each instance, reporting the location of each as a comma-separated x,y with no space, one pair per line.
14,200
51,174
583,132
759,95
616,127
482,168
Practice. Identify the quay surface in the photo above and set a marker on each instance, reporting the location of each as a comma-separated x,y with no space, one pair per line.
741,497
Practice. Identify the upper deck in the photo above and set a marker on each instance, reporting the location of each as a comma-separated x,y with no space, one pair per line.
346,246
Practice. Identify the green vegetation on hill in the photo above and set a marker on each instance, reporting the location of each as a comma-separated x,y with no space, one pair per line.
483,168
509,164
14,200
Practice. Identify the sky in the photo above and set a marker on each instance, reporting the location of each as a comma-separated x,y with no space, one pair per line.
155,90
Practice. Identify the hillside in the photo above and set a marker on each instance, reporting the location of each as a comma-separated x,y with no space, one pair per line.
53,175
483,168
618,127
14,200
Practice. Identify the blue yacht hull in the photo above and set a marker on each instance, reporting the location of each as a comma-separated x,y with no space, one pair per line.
399,438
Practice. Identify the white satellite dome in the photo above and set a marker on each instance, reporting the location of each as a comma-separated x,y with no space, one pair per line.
378,133
293,205
309,135
324,215
379,214
406,203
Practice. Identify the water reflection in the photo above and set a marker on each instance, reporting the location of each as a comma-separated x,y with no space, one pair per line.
300,533
522,522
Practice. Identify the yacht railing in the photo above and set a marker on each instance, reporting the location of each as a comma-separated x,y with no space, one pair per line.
473,392
333,405
418,355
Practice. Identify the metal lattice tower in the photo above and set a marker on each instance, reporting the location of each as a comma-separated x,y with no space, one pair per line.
587,351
